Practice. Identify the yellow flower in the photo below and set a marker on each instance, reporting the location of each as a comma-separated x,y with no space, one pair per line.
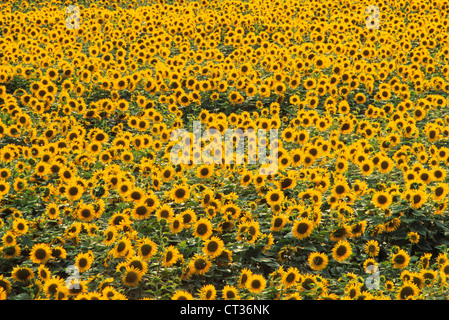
400,259
413,237
341,251
302,228
40,253
256,283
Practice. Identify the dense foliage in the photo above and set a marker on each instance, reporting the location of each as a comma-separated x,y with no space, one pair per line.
86,176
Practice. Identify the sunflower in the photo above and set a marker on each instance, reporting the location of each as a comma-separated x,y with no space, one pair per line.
180,193
52,285
83,261
171,256
407,291
290,277
40,253
110,235
176,224
118,220
9,239
389,285
413,237
132,276
417,279
278,222
382,199
5,284
440,191
13,251
165,212
341,251
372,248
52,211
385,165
444,271
86,212
318,261
352,290
182,295
430,276
340,189
146,249
74,191
424,261
256,283
248,231
204,171
213,247
20,226
274,197
308,282
122,248
302,228
22,274
109,293
438,174
340,233
199,264
207,292
400,259
44,273
140,212
244,276
58,252
124,188
358,229
418,198
246,178
135,195
202,228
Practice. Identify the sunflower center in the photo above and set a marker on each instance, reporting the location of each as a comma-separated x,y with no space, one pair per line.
73,191
407,291
416,198
141,211
278,222
180,193
82,262
40,254
145,249
318,260
382,199
302,228
137,264
212,246
290,278
399,259
202,229
131,277
341,251
135,195
23,274
85,213
121,246
200,264
340,189
256,284
169,256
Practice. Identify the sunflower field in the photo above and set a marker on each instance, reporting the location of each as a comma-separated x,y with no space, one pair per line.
93,207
